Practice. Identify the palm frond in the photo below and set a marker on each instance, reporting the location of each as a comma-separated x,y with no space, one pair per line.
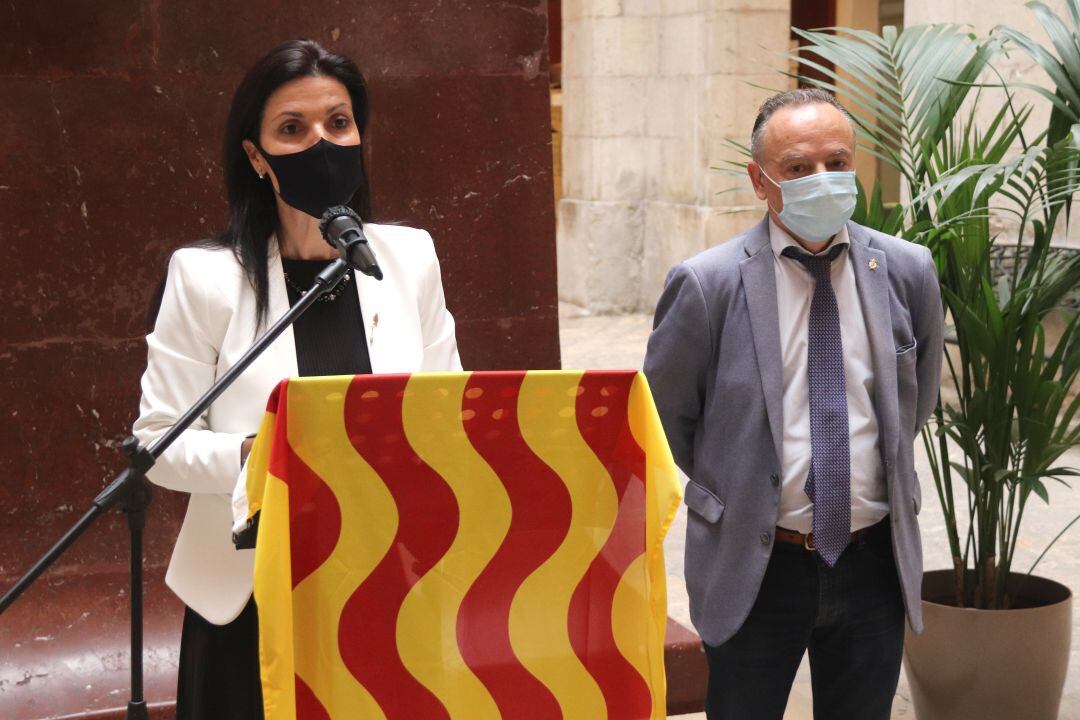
904,88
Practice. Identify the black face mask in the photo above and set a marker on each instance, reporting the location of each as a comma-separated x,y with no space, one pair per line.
320,177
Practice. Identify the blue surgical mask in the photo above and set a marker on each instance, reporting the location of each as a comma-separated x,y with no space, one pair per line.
817,206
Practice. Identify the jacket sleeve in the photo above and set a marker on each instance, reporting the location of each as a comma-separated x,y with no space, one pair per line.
182,354
677,361
930,336
436,322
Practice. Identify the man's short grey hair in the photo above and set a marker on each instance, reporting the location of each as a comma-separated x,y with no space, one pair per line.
791,98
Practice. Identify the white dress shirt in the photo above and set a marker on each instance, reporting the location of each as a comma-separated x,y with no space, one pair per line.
794,291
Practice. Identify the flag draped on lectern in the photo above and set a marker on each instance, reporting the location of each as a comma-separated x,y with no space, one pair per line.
462,545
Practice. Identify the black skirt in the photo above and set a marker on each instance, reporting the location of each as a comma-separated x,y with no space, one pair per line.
219,668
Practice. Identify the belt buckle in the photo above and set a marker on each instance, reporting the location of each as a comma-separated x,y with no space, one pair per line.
808,542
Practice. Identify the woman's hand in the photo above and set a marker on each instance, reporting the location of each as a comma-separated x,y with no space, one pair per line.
245,448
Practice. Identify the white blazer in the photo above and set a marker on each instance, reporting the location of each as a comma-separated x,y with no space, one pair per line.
206,322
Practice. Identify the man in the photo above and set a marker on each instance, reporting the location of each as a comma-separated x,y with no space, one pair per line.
793,367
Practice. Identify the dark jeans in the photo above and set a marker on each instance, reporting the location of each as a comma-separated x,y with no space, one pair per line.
850,618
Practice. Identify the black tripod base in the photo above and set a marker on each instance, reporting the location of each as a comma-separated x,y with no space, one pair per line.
137,711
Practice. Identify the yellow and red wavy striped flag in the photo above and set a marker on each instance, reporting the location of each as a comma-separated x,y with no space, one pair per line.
462,545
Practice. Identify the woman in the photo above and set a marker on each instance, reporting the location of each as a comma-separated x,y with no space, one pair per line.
292,149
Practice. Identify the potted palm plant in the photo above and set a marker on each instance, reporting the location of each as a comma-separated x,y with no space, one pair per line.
986,198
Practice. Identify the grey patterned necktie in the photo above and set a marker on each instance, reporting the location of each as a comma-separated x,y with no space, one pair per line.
829,483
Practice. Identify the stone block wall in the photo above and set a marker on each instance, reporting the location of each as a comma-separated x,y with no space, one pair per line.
651,90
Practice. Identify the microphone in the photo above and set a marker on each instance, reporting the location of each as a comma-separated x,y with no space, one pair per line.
342,228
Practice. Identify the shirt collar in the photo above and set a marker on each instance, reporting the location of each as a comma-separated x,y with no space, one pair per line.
780,239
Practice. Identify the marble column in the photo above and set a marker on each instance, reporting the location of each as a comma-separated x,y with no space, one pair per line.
111,118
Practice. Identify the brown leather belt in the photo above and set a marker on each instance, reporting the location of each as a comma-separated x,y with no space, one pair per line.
807,539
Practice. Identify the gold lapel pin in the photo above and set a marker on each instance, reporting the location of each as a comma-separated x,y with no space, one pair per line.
873,264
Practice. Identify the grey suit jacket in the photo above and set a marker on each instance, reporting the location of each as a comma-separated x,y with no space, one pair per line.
713,363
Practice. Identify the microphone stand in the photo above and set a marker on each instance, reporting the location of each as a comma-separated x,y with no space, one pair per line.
131,492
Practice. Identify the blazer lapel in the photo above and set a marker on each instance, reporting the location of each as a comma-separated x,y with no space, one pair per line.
371,292
282,352
759,286
872,283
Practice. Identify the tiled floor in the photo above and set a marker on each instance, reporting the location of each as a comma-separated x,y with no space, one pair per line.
619,342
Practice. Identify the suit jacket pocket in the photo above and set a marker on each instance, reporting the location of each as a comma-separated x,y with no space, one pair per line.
703,502
907,387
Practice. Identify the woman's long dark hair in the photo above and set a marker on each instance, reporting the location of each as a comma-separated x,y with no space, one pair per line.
252,210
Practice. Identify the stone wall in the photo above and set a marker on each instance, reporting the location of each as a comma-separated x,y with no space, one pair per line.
651,90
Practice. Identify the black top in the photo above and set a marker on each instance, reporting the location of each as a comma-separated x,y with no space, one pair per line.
330,338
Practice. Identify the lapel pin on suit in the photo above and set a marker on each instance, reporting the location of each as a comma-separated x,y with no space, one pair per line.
872,264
